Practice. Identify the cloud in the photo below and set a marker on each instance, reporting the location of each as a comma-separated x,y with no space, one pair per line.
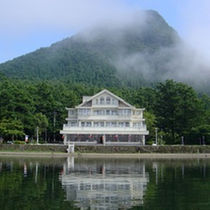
178,62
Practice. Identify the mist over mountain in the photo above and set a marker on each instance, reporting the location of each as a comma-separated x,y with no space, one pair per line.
138,51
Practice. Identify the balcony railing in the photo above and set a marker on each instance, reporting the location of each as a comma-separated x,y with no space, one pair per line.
69,127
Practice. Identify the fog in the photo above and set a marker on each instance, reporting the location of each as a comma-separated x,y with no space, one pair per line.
182,60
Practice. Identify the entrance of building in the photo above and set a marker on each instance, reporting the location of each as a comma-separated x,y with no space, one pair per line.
101,140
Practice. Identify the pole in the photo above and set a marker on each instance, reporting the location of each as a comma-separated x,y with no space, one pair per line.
182,138
37,135
156,136
54,121
203,138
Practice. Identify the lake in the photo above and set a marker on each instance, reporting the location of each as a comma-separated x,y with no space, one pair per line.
74,183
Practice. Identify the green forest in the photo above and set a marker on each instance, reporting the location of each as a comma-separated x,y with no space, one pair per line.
175,108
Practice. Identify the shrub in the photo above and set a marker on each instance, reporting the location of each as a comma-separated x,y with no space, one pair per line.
19,142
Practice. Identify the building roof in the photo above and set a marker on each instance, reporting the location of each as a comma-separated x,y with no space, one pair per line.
108,92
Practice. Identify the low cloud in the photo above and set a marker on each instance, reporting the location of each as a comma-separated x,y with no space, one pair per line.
179,62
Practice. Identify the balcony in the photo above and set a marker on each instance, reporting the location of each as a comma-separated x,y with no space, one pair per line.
105,130
104,117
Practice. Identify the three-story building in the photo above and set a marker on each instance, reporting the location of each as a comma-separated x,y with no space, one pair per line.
105,119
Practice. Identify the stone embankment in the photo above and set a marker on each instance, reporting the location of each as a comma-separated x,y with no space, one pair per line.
32,148
169,149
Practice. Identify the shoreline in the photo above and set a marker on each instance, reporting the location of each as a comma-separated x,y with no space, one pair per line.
108,155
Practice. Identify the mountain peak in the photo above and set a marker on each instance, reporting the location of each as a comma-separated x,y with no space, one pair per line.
102,54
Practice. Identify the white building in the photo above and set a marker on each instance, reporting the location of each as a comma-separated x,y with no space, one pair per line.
105,119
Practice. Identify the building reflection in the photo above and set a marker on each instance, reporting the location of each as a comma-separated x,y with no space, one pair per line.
104,185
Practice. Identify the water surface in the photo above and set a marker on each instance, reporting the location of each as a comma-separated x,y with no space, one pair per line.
68,183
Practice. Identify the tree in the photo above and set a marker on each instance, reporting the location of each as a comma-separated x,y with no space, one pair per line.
16,104
41,121
151,124
10,130
200,133
178,109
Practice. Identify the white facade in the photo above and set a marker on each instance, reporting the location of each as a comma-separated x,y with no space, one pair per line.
104,118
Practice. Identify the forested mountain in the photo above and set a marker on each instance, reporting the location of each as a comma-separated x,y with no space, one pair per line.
110,55
123,57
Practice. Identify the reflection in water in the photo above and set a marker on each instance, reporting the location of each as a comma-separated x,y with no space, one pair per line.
182,170
36,172
104,185
155,168
25,170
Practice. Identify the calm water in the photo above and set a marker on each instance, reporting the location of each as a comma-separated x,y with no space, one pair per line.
104,184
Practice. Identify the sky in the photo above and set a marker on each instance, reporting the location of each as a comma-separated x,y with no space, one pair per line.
29,25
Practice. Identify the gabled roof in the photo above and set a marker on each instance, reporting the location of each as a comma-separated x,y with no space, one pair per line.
108,92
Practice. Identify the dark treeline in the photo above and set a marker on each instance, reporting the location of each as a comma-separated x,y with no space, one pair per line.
174,108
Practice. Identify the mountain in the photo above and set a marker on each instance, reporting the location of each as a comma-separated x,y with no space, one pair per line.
135,52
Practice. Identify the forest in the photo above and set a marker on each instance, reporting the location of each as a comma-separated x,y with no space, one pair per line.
175,108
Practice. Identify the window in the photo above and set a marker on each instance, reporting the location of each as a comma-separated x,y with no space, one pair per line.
101,124
121,124
120,113
84,112
102,100
124,112
99,112
88,124
108,124
113,101
71,112
136,125
108,100
114,112
128,112
107,112
111,124
73,123
114,124
138,113
96,101
124,124
96,124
